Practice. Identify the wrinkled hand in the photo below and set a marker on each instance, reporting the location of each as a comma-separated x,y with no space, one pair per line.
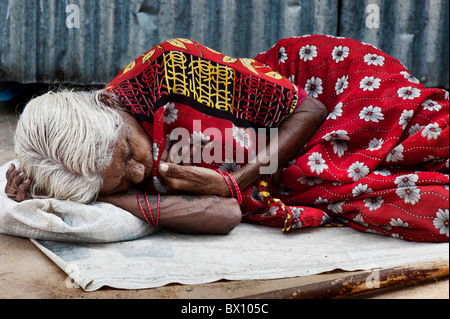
186,155
176,170
192,180
17,184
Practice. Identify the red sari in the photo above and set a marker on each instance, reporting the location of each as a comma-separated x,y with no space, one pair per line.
378,163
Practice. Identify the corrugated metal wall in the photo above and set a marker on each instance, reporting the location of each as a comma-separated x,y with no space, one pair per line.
416,32
37,46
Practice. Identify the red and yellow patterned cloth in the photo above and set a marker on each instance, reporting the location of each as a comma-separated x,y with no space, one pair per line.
379,162
182,71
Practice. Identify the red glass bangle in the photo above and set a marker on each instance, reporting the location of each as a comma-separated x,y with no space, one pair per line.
149,209
226,181
236,187
142,209
153,222
157,213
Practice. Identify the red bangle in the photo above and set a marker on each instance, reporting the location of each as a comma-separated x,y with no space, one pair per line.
236,187
153,223
142,209
157,214
226,181
149,209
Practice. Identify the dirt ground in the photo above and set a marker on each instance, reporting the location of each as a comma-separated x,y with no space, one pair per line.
25,272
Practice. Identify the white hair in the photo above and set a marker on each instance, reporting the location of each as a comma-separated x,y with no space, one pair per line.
64,140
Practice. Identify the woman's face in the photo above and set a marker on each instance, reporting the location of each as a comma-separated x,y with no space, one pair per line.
132,159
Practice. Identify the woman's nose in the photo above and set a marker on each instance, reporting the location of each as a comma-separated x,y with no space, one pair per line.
136,171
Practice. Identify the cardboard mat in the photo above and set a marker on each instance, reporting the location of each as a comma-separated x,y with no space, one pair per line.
248,252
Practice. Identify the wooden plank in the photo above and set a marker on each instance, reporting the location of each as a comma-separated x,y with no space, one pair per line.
363,282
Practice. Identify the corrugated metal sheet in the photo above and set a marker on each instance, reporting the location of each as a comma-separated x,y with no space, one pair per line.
37,46
416,32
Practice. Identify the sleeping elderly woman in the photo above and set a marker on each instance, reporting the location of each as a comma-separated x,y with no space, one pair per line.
315,130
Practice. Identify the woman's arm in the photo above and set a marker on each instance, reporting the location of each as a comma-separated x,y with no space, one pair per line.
293,134
187,214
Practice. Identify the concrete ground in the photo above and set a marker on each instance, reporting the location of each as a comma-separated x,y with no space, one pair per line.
25,272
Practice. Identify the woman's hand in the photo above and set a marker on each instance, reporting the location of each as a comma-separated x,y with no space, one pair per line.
192,179
176,170
17,184
294,132
182,213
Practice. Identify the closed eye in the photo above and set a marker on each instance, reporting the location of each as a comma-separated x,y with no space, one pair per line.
119,185
128,154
